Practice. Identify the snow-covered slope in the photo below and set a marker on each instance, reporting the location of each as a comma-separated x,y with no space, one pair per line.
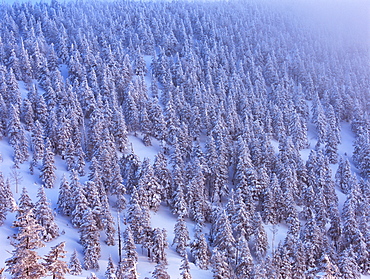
261,122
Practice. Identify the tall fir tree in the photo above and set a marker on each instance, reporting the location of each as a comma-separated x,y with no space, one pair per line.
110,273
89,238
181,239
220,266
48,166
74,264
7,202
56,267
24,262
200,251
45,216
65,196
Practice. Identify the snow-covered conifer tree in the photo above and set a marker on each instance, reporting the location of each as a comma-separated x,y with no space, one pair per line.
89,238
110,273
48,166
7,202
45,216
158,253
24,262
200,251
65,205
74,264
220,266
181,238
260,244
160,272
53,263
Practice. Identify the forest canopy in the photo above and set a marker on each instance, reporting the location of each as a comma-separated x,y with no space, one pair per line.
245,104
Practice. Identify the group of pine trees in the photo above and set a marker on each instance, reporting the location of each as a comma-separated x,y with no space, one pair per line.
217,85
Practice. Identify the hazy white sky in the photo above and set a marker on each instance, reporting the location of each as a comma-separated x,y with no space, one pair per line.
350,18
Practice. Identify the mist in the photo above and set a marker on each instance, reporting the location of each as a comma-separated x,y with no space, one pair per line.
345,22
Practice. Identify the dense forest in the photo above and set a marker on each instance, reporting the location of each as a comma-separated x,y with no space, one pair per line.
247,105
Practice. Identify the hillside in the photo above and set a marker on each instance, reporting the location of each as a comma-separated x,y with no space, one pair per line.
184,140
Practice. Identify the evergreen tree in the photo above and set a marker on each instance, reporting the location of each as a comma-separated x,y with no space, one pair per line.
299,266
130,170
16,134
28,115
24,203
138,218
200,251
48,166
110,272
119,130
3,114
181,238
129,246
56,267
240,219
179,204
244,260
332,137
89,238
79,201
160,272
270,208
24,262
131,110
127,269
259,271
220,266
7,202
260,238
149,184
14,95
37,144
198,203
41,110
14,125
319,119
331,271
3,201
223,237
65,205
284,264
74,265
94,202
343,175
145,126
185,268
156,117
348,266
45,217
163,175
361,152
351,232
108,222
158,253
312,241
